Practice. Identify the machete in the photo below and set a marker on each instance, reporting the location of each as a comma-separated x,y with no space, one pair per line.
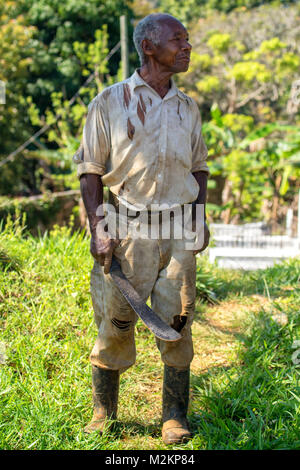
146,314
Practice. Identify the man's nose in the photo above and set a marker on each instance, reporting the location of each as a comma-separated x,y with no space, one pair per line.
187,46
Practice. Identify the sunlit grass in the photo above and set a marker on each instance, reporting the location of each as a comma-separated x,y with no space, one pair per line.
245,386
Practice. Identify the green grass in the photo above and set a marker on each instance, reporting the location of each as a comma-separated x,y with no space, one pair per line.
245,386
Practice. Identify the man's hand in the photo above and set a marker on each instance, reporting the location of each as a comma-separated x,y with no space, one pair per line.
205,240
201,178
102,245
102,250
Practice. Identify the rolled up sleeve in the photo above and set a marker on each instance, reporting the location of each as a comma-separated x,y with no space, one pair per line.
199,149
94,150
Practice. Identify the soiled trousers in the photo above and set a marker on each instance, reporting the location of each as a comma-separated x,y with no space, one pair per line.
161,269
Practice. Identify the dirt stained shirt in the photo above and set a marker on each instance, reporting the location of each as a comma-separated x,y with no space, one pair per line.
144,147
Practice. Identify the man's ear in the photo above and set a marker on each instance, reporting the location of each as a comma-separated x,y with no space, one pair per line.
148,47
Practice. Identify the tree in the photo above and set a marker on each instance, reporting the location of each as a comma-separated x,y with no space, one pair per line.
188,10
56,170
38,53
247,72
17,46
260,166
243,67
59,25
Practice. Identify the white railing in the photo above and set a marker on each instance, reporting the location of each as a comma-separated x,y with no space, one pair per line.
249,246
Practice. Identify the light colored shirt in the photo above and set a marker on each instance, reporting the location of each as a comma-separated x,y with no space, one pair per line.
144,147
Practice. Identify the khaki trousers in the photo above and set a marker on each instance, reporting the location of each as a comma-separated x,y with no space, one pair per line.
162,269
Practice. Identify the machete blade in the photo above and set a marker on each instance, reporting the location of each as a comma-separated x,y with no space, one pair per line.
146,314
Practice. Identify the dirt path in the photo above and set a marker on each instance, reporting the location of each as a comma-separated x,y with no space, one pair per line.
218,333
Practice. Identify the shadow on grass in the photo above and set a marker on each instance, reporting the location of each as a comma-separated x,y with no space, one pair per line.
128,429
252,405
226,331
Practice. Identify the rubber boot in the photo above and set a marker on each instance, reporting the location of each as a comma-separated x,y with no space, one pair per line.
175,404
105,397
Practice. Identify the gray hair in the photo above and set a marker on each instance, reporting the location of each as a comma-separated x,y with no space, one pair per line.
150,28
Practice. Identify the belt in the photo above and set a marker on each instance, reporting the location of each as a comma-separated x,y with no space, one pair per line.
150,213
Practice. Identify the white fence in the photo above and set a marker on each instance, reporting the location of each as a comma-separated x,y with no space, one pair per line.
249,246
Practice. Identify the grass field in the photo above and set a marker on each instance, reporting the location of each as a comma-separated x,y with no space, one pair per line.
245,376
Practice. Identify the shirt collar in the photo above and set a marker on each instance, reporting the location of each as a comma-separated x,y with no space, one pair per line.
136,81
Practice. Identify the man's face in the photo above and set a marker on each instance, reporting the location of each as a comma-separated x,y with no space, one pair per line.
173,52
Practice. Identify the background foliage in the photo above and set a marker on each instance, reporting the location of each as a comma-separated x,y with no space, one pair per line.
245,61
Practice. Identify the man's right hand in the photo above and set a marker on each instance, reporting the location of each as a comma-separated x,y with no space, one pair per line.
102,243
102,250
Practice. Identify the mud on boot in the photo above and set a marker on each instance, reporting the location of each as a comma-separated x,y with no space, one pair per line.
175,404
105,397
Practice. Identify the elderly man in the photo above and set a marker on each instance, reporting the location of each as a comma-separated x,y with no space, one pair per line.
142,139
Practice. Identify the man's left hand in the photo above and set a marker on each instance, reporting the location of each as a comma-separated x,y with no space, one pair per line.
205,240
